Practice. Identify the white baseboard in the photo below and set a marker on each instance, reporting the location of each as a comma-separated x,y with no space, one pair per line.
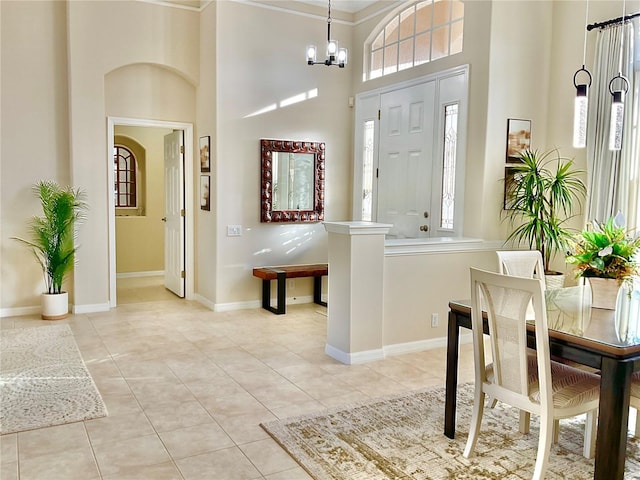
354,358
391,350
156,273
91,308
228,307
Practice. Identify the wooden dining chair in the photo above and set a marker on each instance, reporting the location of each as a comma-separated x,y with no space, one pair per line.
521,263
533,383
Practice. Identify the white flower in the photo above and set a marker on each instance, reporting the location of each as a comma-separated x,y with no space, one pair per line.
619,220
605,251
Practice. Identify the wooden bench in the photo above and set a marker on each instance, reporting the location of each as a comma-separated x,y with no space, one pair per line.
281,273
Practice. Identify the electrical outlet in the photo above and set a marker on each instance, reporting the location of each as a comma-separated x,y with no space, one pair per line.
291,283
234,230
435,320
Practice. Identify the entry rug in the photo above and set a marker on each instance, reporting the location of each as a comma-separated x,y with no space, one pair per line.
43,380
402,438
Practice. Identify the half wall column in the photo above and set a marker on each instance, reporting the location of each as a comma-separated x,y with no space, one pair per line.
354,312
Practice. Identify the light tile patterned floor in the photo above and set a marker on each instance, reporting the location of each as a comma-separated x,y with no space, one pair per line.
186,389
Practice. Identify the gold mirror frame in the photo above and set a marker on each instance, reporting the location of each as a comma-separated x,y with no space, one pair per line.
268,214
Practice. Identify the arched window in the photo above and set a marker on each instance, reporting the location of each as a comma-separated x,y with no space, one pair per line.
418,34
125,178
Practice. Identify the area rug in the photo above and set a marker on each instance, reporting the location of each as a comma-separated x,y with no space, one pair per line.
402,438
43,380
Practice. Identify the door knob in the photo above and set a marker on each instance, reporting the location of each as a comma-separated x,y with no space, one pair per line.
424,228
164,219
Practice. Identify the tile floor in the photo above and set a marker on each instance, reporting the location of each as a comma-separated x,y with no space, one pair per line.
186,389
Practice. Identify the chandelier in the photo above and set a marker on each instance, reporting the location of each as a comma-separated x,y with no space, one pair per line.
335,56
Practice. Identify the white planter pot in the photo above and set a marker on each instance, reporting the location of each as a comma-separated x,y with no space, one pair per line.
55,306
604,292
555,281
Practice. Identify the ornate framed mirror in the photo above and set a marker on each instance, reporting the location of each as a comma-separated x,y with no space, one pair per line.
292,181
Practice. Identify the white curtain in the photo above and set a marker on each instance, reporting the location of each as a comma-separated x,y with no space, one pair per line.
613,176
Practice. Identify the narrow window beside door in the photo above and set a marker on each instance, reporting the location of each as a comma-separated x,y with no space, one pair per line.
367,171
449,165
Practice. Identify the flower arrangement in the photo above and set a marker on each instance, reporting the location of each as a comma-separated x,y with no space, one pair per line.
606,251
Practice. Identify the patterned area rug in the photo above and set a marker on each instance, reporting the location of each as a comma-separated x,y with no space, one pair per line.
401,438
43,380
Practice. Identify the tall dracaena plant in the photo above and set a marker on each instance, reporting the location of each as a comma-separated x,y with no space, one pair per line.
542,199
53,234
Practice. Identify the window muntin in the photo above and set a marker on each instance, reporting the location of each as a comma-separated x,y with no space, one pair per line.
125,188
423,32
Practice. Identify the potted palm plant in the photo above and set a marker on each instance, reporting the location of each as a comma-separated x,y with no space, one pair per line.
52,241
606,254
545,192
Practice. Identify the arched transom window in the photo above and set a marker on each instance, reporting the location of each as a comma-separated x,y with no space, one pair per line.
423,32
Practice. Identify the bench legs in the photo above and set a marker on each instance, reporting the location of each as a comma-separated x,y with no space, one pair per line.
317,291
281,285
282,294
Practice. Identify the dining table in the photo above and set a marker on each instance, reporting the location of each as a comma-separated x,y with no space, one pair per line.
605,340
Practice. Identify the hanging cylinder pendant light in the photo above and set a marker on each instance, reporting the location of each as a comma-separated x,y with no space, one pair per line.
581,106
581,102
617,113
616,123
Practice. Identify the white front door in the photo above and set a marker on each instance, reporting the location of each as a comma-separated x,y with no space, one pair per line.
174,213
405,160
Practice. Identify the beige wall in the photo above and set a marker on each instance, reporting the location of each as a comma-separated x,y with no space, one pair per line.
35,133
140,239
206,110
256,71
65,69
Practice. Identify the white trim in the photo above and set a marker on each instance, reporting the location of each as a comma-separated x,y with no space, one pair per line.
156,273
437,245
293,12
90,308
354,358
162,3
187,128
357,227
228,307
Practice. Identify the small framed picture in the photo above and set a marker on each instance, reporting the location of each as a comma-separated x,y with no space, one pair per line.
518,138
509,182
205,192
205,154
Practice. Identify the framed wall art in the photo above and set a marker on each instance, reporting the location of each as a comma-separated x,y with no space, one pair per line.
205,192
509,182
518,138
205,154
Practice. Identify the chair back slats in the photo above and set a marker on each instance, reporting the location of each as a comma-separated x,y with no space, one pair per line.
506,313
521,263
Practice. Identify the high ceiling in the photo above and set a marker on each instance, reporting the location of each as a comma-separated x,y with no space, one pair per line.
351,6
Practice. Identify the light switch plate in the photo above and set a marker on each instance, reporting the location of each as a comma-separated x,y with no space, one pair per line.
234,230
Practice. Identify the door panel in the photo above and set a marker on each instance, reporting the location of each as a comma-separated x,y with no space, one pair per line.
405,159
174,213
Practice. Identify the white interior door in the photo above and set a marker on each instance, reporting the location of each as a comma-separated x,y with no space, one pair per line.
405,160
174,213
